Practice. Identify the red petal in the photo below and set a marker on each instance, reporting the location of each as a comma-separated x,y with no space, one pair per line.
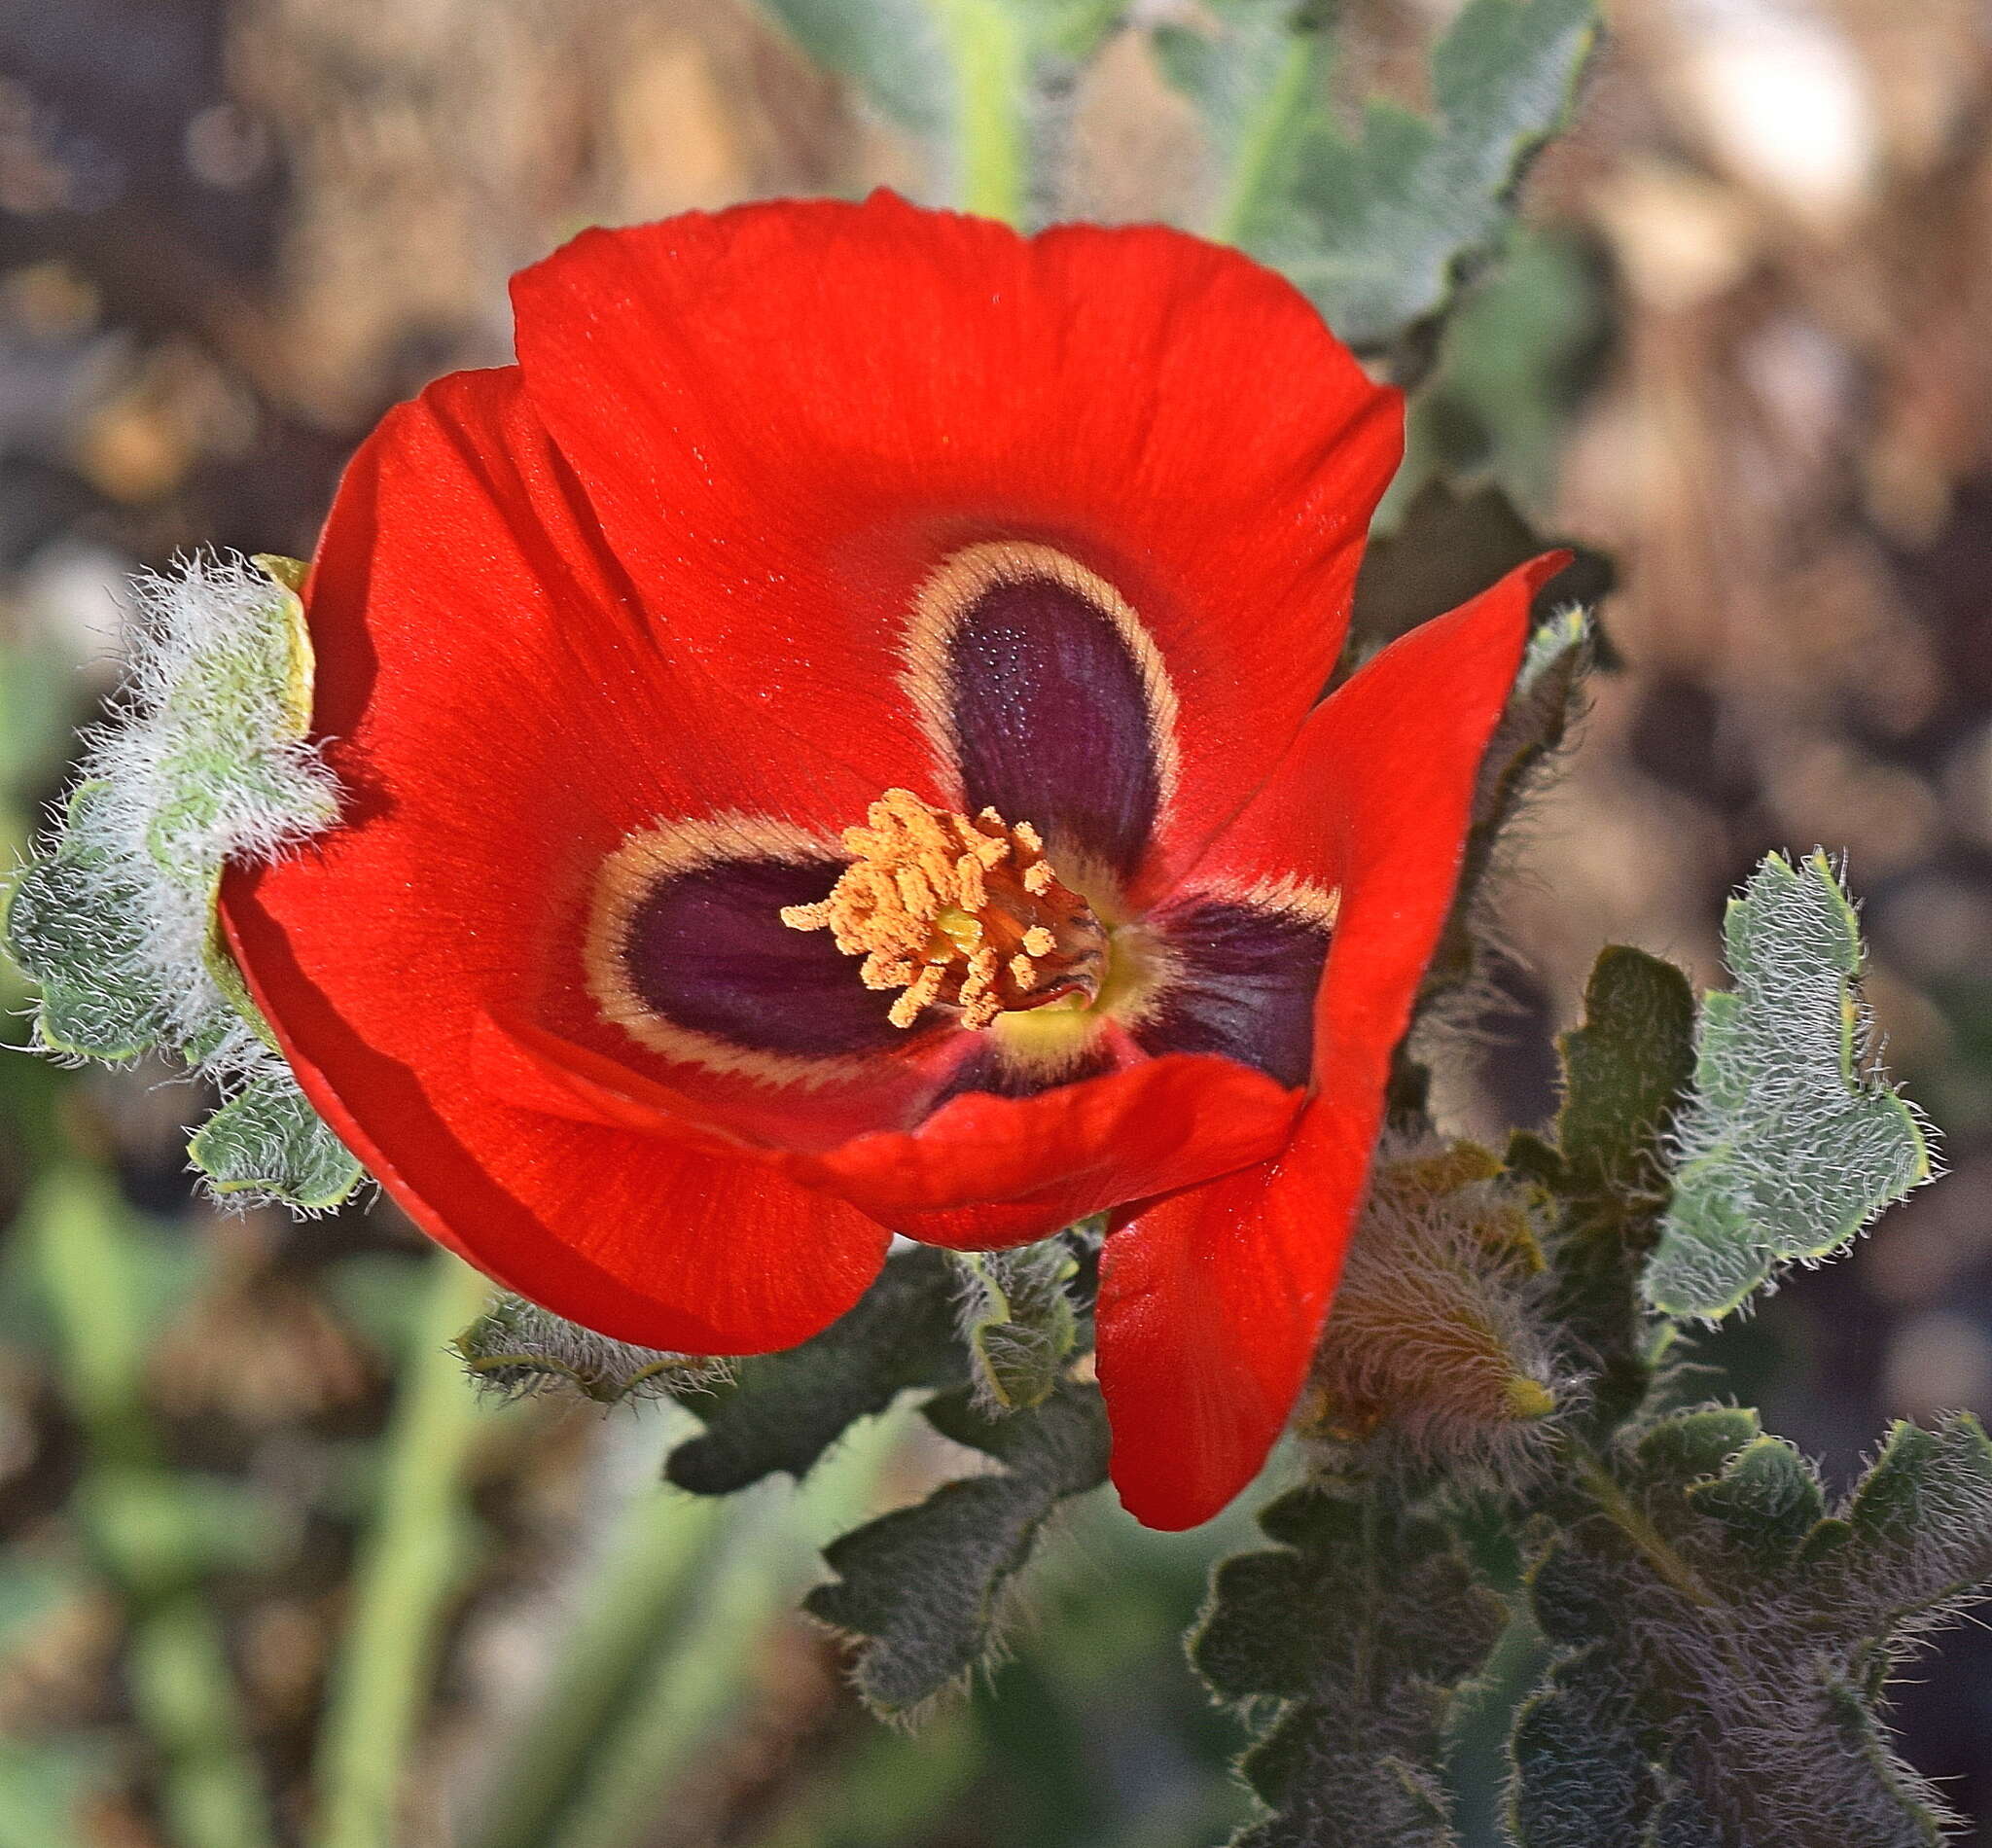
1211,1304
787,414
501,717
984,1172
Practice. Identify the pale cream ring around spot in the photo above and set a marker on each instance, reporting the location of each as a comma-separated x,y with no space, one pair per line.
629,876
955,588
1288,895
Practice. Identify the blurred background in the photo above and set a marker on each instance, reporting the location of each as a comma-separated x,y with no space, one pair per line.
1739,349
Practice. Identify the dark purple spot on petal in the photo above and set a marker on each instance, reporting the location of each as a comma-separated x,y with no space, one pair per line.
1052,719
1246,987
706,949
984,1069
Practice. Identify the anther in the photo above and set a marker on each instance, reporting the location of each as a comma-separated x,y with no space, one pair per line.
959,914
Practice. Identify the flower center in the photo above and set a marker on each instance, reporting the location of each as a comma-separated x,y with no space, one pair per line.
961,914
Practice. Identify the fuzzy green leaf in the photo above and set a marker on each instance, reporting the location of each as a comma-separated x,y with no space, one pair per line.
1255,83
1625,1070
1736,1639
923,1587
781,1412
1395,216
1361,1626
74,924
1793,1142
896,52
517,1350
1769,1497
1582,1777
1377,228
267,1140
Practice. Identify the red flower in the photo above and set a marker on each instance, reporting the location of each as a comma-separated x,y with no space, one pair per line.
786,508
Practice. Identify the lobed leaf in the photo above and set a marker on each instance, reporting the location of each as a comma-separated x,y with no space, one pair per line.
1583,1775
74,924
267,1140
970,80
1728,1641
922,1588
1626,1069
1793,1141
1361,1626
781,1412
1377,227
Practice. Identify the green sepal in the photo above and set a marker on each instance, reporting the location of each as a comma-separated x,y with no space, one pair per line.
1532,729
1018,1321
781,1412
922,1589
267,1140
75,925
517,1350
1793,1142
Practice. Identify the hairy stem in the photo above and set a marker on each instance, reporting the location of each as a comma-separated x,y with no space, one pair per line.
183,1692
1269,130
991,58
412,1561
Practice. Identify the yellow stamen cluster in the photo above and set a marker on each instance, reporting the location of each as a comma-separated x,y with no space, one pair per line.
958,912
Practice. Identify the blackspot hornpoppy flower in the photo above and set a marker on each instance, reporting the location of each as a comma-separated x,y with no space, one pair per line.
832,745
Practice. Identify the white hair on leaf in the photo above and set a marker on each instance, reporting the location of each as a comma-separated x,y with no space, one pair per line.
203,761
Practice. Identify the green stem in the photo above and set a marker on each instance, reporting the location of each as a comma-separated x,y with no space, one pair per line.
412,1560
1255,166
990,52
660,1541
702,1674
183,1692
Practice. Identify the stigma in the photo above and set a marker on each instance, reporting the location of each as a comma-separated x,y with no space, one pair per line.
960,913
